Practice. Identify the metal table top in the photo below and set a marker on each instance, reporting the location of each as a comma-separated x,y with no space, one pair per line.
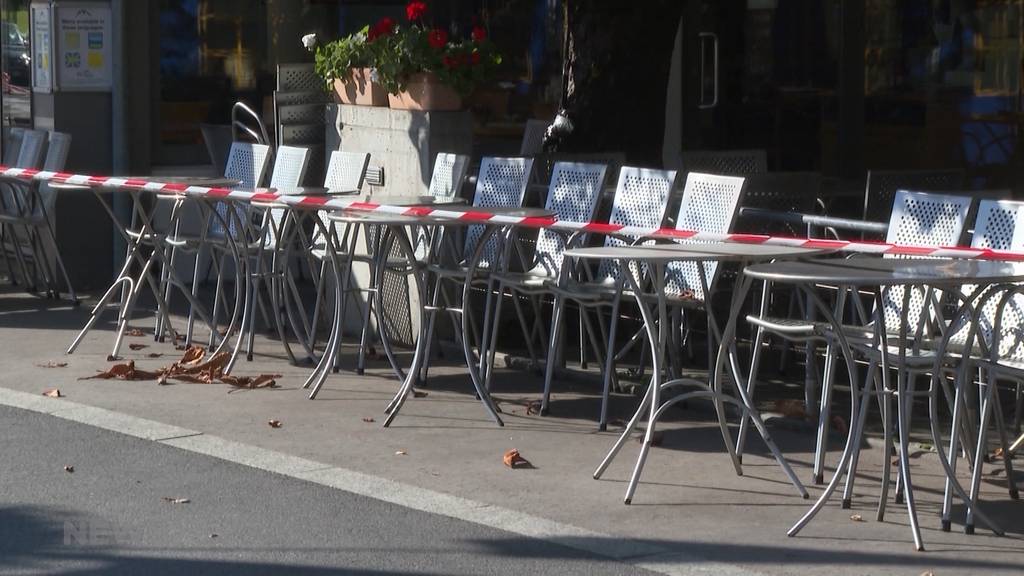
874,271
362,217
304,191
407,199
695,252
206,181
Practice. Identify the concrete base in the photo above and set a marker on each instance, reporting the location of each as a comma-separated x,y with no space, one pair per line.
404,143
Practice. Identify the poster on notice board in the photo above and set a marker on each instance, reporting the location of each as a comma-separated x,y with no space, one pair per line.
84,53
41,42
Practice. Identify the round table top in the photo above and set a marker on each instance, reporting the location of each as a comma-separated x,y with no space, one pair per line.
408,200
875,271
695,252
206,181
300,191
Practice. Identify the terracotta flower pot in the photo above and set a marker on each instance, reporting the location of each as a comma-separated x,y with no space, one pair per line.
426,92
358,89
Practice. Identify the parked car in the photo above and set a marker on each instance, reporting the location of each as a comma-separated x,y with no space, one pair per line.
17,59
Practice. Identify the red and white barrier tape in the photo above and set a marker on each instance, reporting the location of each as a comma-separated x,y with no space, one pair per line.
341,203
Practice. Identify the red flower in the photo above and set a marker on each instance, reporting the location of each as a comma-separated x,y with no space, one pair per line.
415,10
474,58
479,34
437,38
382,28
449,62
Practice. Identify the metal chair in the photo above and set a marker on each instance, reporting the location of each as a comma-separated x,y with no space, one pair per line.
35,204
882,185
728,162
15,203
989,341
223,225
575,192
501,182
290,164
917,219
641,199
533,137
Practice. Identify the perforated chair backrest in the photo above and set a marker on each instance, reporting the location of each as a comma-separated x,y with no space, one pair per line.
290,164
789,192
641,199
33,146
346,171
12,145
921,219
709,204
533,137
445,182
1000,226
57,152
246,163
882,186
55,161
501,182
573,196
726,162
448,175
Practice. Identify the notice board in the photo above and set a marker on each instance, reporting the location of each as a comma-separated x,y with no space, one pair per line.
84,55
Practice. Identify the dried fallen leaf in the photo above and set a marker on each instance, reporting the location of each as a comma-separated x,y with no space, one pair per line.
789,408
213,535
125,371
274,423
401,453
135,332
998,454
176,500
53,393
513,459
839,423
154,355
656,438
368,419
134,346
192,367
419,393
53,364
533,407
857,518
69,469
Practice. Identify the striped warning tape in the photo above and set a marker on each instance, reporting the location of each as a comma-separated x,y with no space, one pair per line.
435,214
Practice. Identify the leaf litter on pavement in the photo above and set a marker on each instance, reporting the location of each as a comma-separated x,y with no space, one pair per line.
193,367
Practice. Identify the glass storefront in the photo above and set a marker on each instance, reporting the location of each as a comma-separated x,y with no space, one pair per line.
213,53
15,64
931,83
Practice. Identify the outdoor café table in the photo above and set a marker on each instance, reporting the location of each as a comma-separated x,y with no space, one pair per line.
136,233
851,273
491,230
379,229
656,258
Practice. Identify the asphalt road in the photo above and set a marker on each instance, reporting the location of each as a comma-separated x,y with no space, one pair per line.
112,515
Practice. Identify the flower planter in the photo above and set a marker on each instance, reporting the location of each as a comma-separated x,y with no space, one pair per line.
358,89
426,92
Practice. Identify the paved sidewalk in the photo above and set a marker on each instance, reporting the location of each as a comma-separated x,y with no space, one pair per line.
690,503
110,516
